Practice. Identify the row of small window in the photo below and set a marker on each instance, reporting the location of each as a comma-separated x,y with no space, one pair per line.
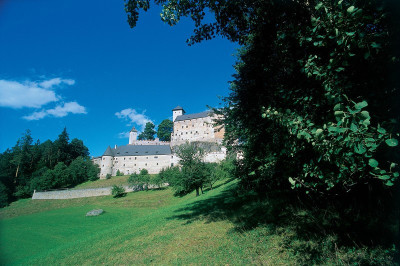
134,165
130,158
209,125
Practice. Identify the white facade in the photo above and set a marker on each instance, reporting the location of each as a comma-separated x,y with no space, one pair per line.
156,155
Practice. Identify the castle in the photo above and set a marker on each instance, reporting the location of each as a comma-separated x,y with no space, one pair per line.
155,155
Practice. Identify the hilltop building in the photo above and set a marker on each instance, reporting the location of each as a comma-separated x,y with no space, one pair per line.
154,155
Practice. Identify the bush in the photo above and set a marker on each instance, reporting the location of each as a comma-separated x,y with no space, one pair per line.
118,191
108,176
119,173
140,181
3,195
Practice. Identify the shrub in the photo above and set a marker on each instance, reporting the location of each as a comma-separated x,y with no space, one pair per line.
108,176
118,191
119,173
3,195
140,181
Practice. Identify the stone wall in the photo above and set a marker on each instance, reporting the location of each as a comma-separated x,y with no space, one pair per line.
78,193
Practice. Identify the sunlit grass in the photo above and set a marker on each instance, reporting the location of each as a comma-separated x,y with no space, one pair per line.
143,227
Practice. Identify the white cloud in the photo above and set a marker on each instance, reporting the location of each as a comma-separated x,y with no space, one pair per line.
16,94
58,111
134,117
55,82
123,135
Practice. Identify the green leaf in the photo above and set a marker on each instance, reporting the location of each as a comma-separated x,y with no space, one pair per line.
319,131
350,33
389,183
292,181
384,177
396,174
318,6
373,163
338,107
361,105
360,149
391,142
376,45
353,127
381,130
351,9
365,115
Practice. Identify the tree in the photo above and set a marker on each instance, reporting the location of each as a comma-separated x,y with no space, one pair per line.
77,148
4,194
62,147
141,181
148,132
304,106
165,129
193,170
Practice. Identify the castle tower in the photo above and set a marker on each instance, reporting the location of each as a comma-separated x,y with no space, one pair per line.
177,111
106,163
133,136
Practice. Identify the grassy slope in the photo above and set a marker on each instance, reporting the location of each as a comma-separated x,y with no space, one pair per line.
115,180
143,227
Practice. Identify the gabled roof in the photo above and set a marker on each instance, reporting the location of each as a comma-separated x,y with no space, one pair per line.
133,129
193,116
177,108
140,150
108,152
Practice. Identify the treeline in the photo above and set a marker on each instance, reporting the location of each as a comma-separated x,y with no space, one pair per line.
30,166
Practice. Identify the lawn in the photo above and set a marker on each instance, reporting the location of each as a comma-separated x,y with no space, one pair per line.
143,227
154,227
115,180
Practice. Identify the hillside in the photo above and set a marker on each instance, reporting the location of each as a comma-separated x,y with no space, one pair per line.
218,227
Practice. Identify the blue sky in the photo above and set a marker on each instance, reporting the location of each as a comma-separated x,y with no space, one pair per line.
78,64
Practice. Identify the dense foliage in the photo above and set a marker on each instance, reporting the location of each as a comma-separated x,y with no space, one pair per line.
165,129
140,181
42,166
117,191
321,75
313,105
148,132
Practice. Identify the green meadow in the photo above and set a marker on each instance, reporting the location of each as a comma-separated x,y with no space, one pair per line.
154,227
142,227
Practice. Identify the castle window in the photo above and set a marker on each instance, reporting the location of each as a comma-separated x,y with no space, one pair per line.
124,158
124,164
103,165
147,157
135,164
157,163
135,158
182,126
104,159
172,157
145,164
186,126
155,157
130,158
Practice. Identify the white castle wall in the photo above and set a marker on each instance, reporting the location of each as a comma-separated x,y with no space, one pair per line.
106,165
200,129
133,164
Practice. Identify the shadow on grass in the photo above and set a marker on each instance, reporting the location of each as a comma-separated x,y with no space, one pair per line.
311,233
